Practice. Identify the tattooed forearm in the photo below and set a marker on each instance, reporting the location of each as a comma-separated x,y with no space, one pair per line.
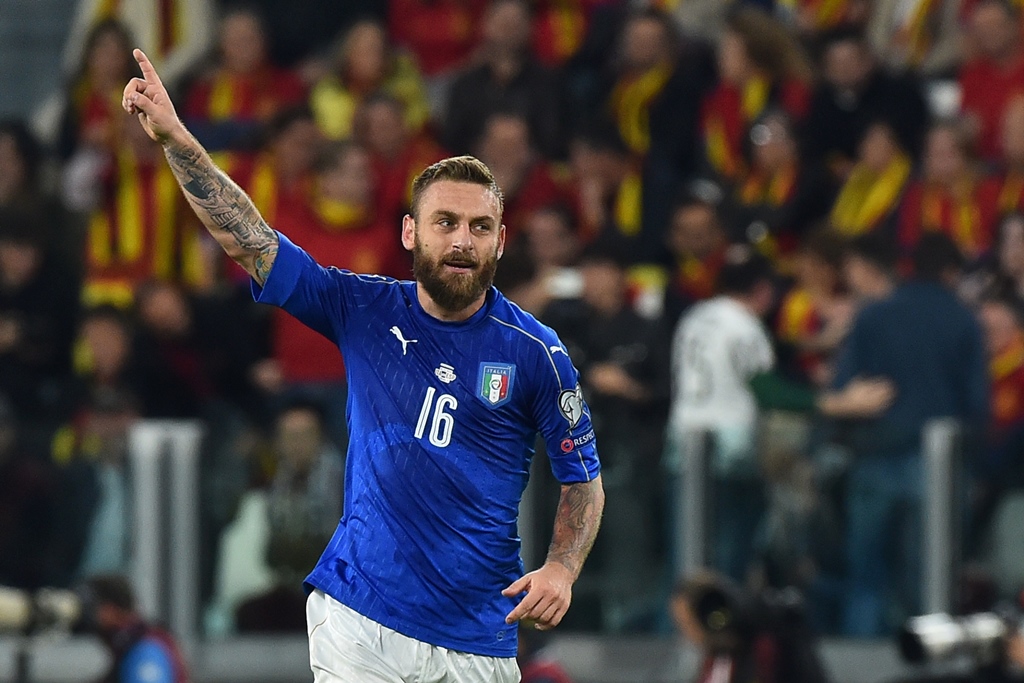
576,524
225,210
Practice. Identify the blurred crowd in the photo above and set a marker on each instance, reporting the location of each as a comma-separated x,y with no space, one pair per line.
796,226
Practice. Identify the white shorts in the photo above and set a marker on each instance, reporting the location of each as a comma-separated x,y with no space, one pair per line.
346,647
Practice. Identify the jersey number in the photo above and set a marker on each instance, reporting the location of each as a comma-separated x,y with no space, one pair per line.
442,424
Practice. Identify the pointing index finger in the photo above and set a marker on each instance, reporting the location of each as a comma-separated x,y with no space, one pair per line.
148,72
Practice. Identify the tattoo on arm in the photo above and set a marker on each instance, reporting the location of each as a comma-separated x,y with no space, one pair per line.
225,210
576,524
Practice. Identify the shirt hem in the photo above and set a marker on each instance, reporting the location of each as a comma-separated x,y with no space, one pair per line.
422,634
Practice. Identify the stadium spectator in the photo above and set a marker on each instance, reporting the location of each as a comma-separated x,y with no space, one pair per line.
366,63
398,152
91,118
647,61
930,347
993,76
229,103
138,650
718,347
1011,191
697,244
952,196
815,314
190,354
21,159
340,227
870,197
869,267
545,259
924,37
440,34
140,228
94,491
560,29
1009,276
855,94
607,186
301,32
779,197
723,375
760,66
622,360
507,77
22,170
177,34
527,181
38,307
304,505
102,354
811,18
26,504
279,177
998,470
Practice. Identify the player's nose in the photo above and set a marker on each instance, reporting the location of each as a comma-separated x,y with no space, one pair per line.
462,238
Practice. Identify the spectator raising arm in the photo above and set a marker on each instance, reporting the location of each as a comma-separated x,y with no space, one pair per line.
225,210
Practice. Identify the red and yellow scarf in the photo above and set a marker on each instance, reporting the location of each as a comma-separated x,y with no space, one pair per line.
138,234
868,197
631,103
955,211
727,114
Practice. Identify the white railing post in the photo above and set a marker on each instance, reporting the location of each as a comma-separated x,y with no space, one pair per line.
940,513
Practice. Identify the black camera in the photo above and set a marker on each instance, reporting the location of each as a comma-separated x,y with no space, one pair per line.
938,637
734,619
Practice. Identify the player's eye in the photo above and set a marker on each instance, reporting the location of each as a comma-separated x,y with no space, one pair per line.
482,227
445,223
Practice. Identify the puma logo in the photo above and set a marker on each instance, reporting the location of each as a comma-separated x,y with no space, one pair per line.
405,342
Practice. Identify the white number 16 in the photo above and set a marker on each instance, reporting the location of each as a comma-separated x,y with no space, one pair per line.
443,423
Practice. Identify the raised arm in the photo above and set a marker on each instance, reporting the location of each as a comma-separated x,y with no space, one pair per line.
549,589
222,206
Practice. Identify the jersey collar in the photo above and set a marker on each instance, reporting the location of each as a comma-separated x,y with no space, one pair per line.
431,321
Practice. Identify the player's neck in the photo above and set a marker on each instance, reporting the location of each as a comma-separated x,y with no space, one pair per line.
431,308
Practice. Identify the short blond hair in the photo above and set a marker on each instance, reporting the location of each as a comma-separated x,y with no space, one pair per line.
464,169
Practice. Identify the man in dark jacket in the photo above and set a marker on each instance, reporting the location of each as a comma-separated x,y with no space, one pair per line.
930,347
855,93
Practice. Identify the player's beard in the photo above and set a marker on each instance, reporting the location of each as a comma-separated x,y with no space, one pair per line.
453,292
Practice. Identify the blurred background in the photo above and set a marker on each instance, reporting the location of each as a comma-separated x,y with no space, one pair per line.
782,241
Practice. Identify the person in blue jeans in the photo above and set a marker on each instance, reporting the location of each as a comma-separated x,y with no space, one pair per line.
930,347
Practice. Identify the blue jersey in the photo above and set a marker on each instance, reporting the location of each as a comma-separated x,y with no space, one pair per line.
442,419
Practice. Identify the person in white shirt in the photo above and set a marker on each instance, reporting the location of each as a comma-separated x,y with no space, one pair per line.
722,375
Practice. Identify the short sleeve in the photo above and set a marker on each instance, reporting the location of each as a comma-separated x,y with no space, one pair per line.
324,299
563,419
147,662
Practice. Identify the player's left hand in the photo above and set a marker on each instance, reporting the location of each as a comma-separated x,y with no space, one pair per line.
548,594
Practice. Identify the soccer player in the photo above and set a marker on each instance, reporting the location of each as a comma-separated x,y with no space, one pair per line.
449,384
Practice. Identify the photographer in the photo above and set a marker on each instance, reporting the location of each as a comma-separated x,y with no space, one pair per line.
140,652
744,638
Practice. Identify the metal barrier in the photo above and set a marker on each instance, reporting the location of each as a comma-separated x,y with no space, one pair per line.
165,533
693,505
941,513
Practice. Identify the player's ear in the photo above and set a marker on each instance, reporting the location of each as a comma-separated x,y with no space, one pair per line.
501,240
408,232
